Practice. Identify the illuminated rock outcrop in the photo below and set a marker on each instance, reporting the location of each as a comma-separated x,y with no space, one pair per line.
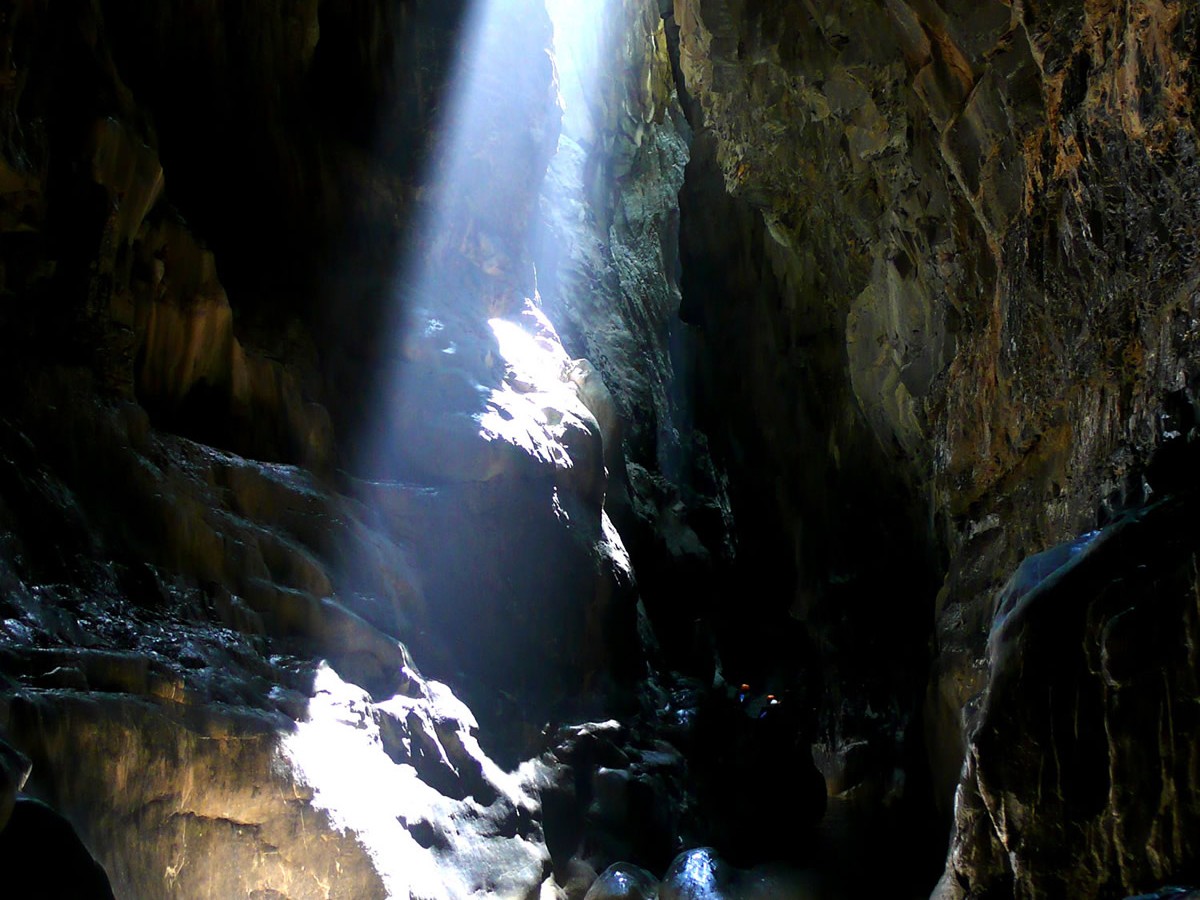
213,571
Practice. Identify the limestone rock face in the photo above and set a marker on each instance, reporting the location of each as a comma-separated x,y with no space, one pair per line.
975,225
835,569
357,355
610,207
229,799
218,590
608,273
169,697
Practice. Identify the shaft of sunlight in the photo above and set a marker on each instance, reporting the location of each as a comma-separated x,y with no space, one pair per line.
474,364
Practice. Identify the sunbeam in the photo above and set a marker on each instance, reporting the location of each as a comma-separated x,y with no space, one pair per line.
481,392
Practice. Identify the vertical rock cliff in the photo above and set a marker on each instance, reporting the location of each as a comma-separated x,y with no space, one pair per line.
979,254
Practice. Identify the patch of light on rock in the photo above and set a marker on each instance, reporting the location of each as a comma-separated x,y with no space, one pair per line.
338,753
538,402
537,360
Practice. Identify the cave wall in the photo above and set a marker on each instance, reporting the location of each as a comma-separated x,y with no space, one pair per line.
857,299
226,234
607,254
979,219
1080,774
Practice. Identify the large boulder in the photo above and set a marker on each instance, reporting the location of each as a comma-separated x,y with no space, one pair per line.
1080,778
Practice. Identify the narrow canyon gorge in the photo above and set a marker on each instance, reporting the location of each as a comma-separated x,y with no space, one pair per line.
595,449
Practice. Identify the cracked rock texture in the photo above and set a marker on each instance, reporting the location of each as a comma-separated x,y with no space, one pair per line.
981,220
229,609
607,253
465,459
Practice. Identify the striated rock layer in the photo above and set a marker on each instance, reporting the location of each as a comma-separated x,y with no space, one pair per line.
359,355
230,611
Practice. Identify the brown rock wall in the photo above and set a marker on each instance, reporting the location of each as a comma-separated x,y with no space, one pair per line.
200,209
991,207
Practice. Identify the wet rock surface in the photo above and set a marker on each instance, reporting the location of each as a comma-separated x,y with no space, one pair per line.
961,241
573,474
701,874
208,602
1079,776
621,880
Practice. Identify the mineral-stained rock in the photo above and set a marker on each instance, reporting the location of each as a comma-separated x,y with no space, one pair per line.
178,691
234,800
970,235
